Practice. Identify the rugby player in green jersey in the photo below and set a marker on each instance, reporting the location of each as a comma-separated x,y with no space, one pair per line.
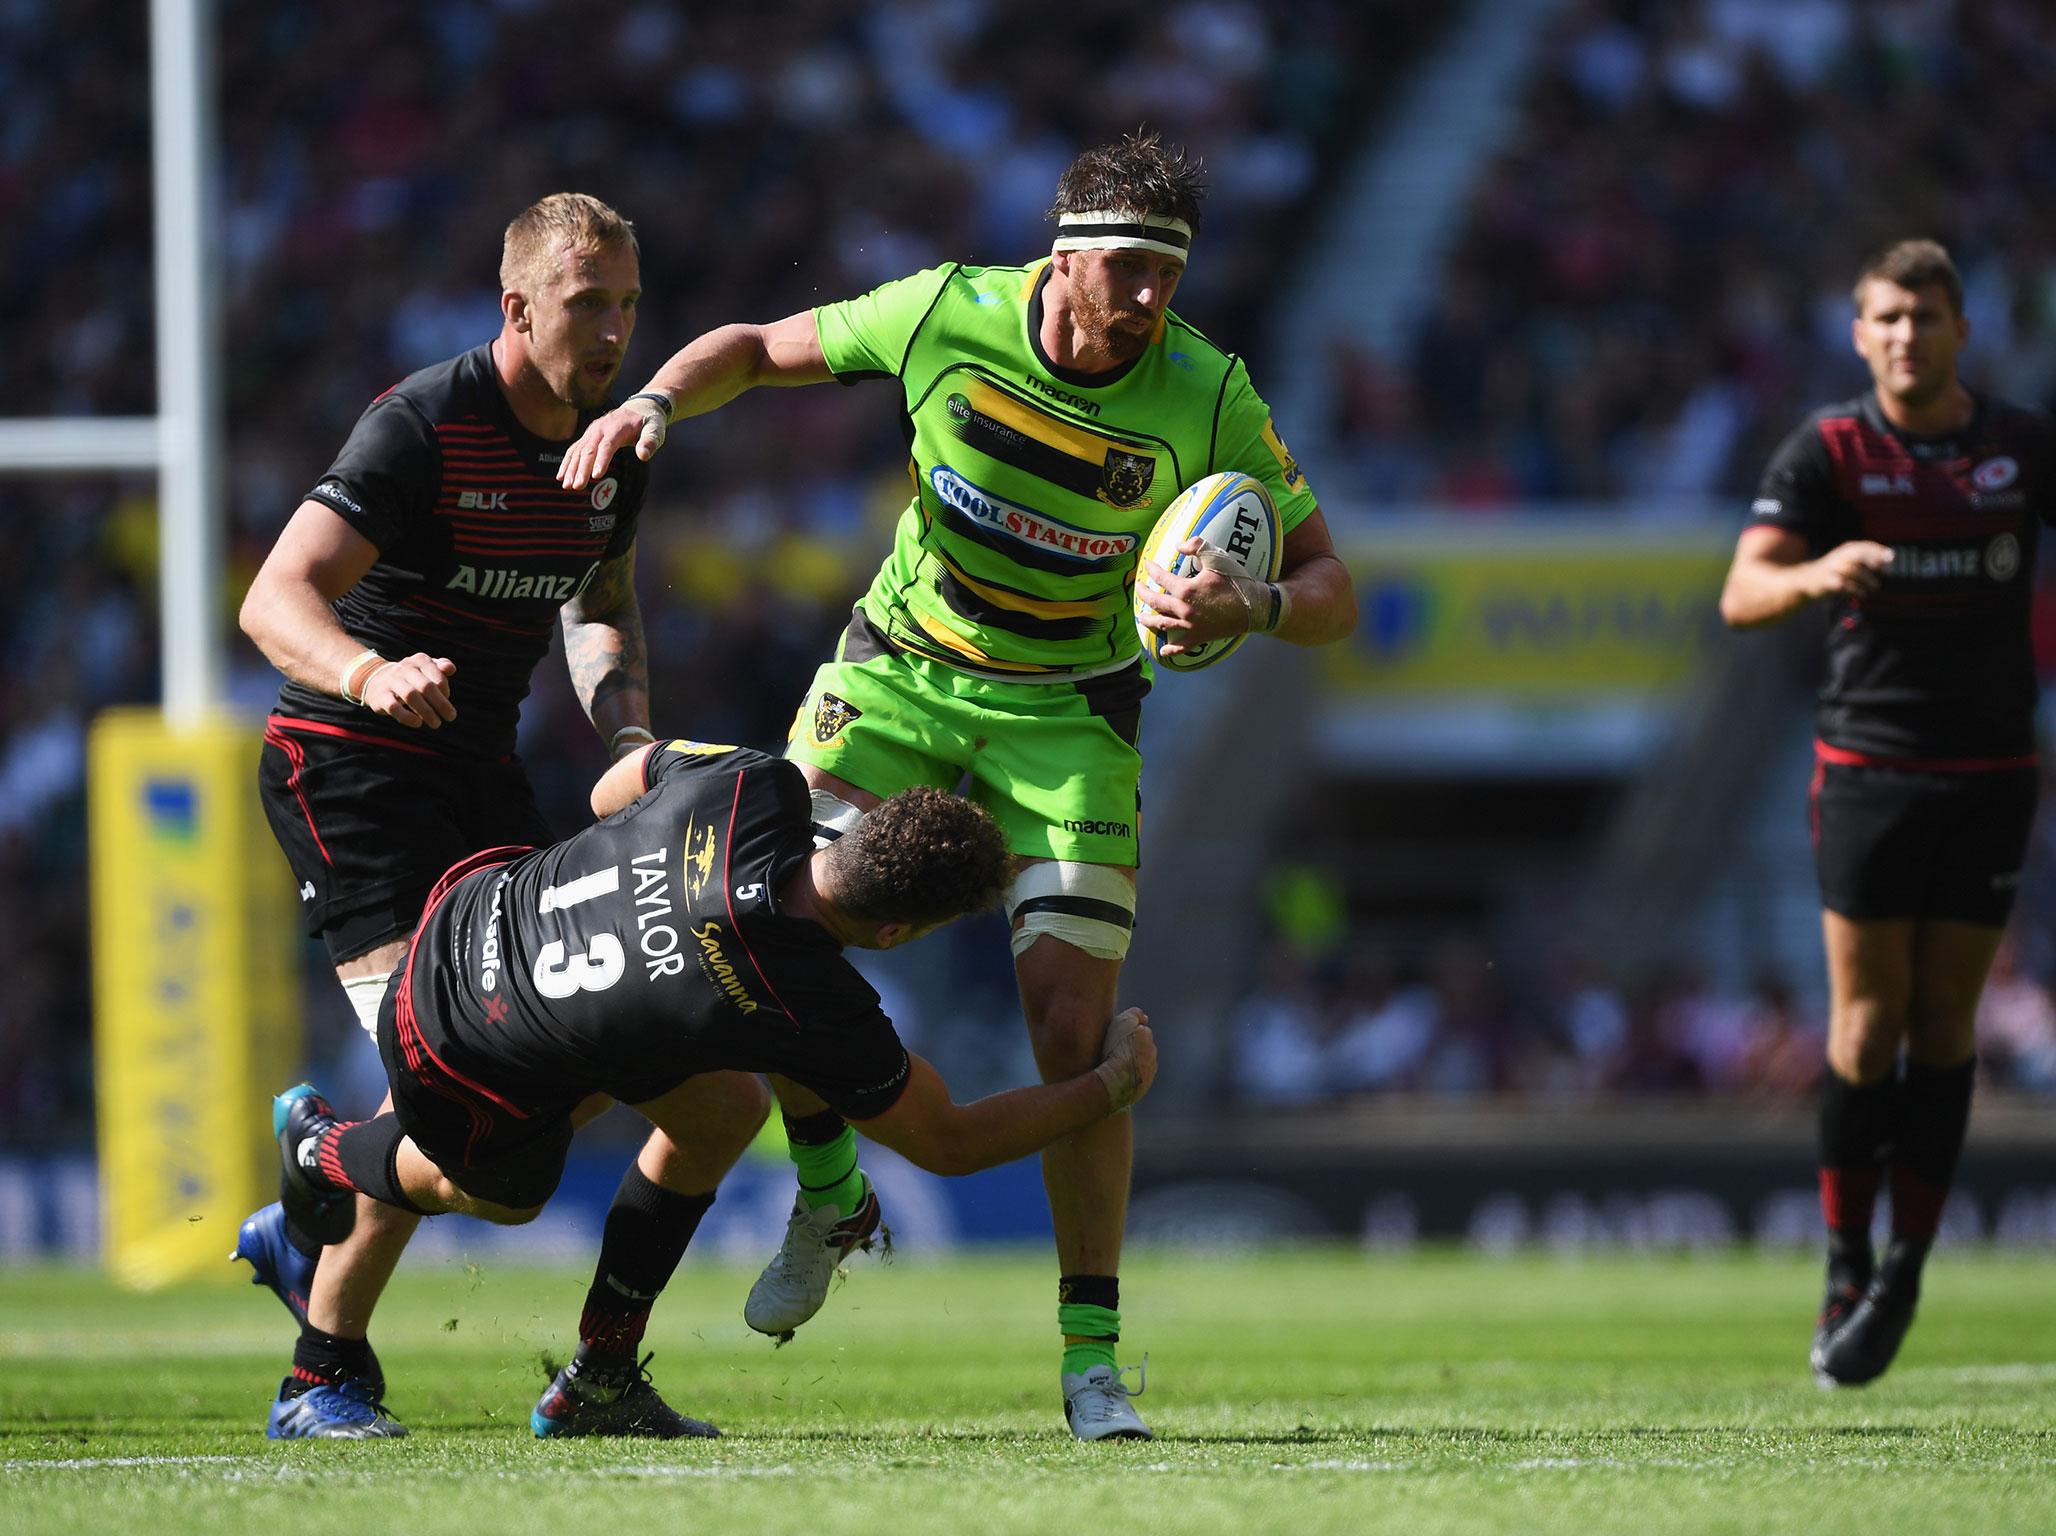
1054,410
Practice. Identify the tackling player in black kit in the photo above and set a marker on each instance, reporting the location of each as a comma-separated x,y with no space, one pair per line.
1913,510
694,929
407,602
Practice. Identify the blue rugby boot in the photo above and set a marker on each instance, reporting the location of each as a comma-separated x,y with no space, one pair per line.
349,1410
274,1260
615,1399
323,1210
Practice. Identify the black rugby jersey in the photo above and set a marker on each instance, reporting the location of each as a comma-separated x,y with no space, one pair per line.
478,547
1935,666
650,947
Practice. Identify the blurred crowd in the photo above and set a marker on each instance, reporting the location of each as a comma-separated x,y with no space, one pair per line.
771,158
1653,283
1444,1020
1651,289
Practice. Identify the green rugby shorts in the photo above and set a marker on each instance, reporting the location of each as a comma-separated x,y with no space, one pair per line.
1054,763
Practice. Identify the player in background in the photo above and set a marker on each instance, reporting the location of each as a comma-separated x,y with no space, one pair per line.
1913,511
1053,410
407,602
694,929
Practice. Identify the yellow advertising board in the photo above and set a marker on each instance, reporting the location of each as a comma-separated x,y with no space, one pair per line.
196,1017
1531,613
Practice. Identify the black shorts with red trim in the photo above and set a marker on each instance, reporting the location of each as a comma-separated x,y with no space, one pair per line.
1920,839
491,1141
369,824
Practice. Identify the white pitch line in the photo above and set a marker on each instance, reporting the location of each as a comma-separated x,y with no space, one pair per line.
2019,1370
691,1471
92,1463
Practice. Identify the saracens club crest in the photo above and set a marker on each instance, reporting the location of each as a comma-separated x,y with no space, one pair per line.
1125,477
832,716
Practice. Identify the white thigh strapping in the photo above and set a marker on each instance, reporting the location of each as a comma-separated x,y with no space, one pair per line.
1089,906
365,994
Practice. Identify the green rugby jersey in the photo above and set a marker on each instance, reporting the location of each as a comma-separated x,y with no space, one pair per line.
1034,485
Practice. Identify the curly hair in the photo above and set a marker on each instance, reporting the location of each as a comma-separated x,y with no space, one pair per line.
1913,265
922,857
543,231
1137,174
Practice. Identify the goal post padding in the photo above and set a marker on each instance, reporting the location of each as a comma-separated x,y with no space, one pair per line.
195,992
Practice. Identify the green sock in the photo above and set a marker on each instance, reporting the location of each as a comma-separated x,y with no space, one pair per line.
1101,1330
829,1174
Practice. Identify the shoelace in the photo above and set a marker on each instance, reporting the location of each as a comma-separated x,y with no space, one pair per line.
614,1386
1115,1388
354,1401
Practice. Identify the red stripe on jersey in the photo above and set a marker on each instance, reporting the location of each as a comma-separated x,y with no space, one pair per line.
439,610
728,899
1856,449
342,733
511,550
541,515
1843,757
297,756
408,1029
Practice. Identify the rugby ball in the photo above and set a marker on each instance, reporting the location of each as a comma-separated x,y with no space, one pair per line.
1230,511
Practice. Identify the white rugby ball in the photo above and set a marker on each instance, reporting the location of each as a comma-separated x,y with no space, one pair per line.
1230,511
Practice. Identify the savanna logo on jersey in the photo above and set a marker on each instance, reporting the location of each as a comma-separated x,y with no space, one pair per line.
720,970
1126,476
988,511
604,493
833,716
1995,474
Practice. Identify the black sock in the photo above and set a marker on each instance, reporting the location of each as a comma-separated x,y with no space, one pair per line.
1856,1120
368,1155
648,1228
307,1247
327,1359
1934,1117
814,1130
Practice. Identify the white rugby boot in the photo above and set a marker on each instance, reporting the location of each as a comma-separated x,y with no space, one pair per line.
1097,1406
795,1282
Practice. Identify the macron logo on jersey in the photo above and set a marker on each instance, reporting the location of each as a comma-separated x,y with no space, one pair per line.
986,509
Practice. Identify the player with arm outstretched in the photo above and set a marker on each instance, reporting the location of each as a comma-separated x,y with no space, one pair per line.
694,930
1913,512
1053,410
407,602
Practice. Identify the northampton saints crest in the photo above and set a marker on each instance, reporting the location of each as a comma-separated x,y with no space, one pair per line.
1126,477
832,716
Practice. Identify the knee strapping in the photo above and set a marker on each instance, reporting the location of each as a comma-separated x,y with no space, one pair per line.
365,994
1089,906
833,816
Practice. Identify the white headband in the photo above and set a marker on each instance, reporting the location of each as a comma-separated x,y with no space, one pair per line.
1104,230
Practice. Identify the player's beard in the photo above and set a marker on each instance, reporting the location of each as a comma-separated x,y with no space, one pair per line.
1095,318
582,392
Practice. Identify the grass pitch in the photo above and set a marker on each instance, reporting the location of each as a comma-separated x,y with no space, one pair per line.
1304,1392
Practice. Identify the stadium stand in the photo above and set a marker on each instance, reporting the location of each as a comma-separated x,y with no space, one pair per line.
372,154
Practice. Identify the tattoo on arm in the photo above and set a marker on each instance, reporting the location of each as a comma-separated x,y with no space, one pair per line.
603,648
